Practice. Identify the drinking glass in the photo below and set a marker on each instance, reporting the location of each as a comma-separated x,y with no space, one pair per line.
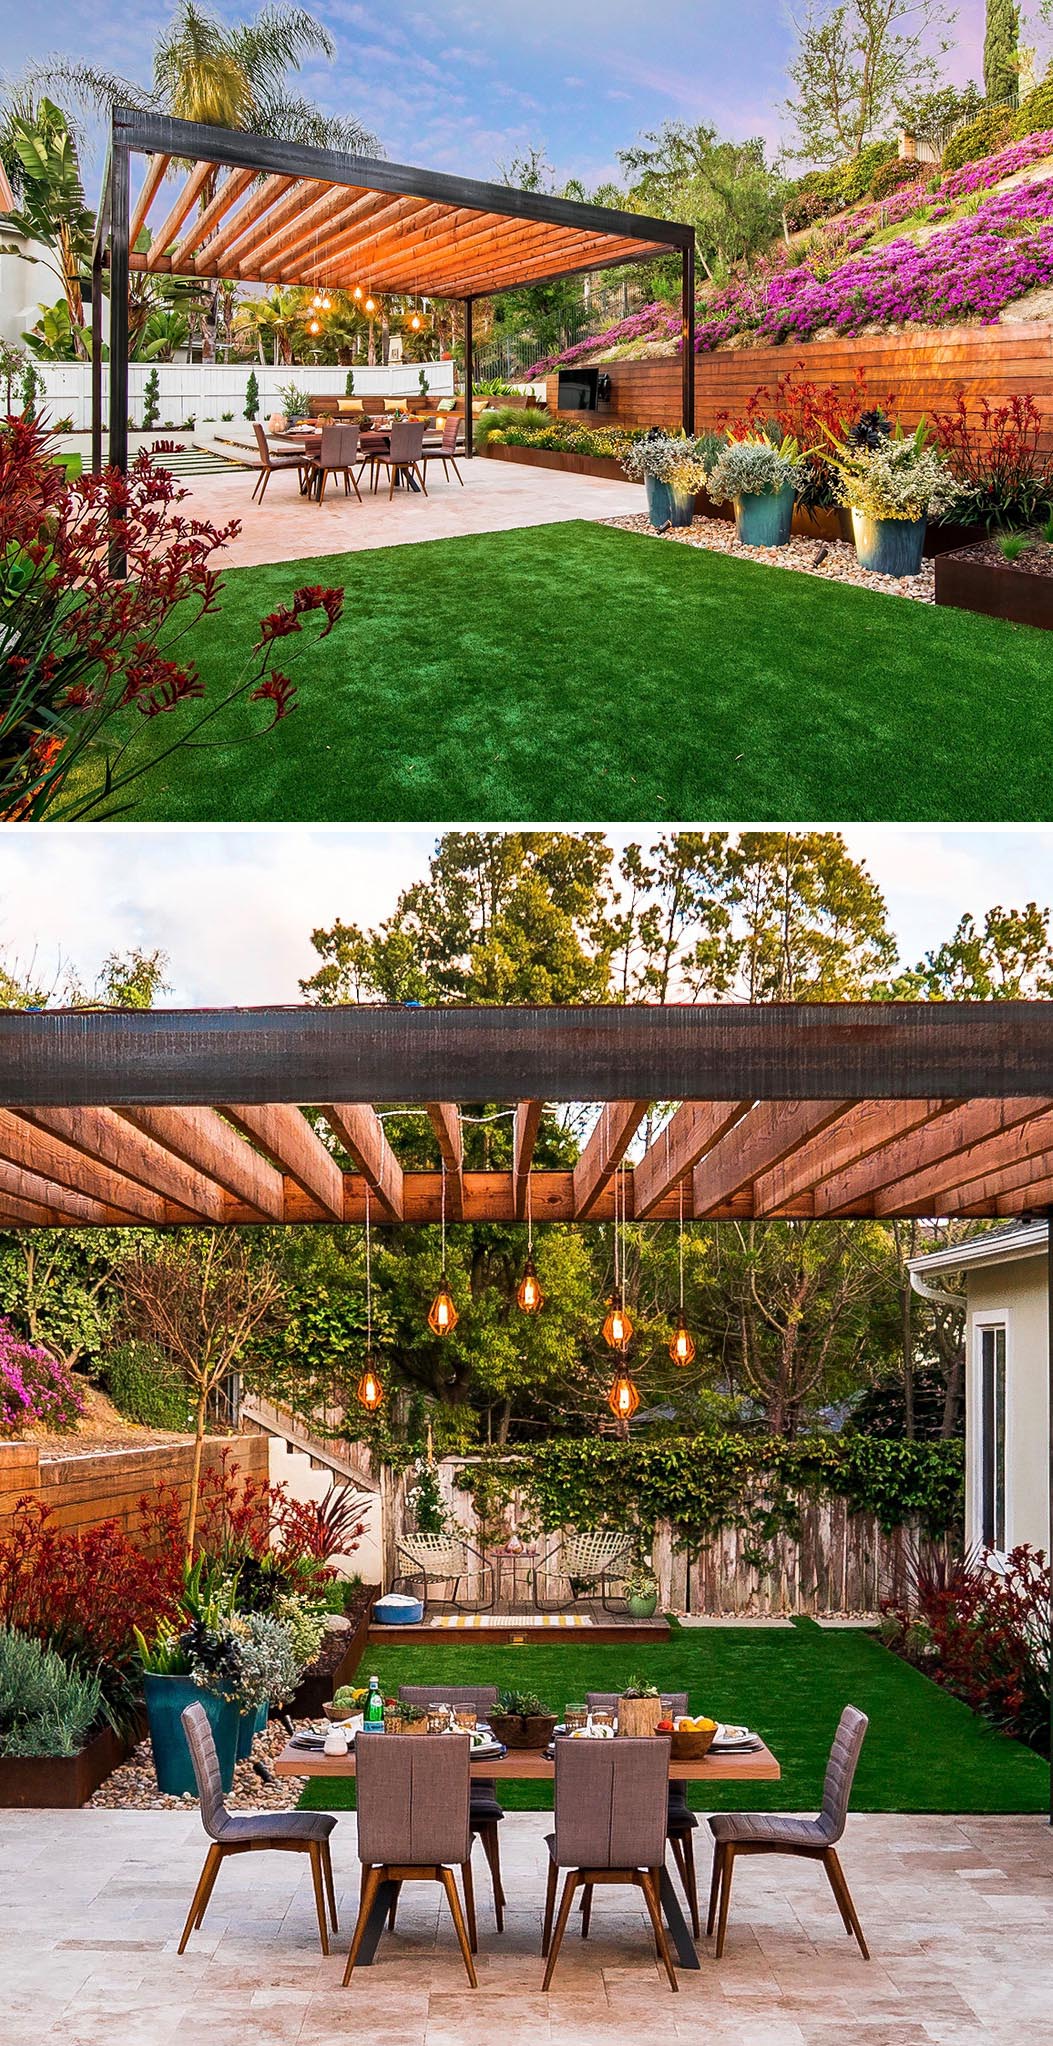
602,1716
575,1717
438,1718
465,1717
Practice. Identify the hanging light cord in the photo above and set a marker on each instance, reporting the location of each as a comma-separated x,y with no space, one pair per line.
681,1250
369,1284
444,1217
529,1220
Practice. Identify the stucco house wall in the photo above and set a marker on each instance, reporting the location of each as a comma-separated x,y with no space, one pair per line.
1016,1293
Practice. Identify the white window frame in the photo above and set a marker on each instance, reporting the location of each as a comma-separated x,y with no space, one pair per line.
989,1318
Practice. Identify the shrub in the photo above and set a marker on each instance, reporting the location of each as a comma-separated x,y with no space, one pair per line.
894,175
1034,112
982,1631
1004,480
35,1387
754,468
856,177
46,1707
151,401
143,1390
252,396
895,477
978,138
668,458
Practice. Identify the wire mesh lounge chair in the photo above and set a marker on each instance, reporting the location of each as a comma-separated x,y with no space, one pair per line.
445,1559
588,1564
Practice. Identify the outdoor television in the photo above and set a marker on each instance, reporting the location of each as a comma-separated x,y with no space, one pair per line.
577,390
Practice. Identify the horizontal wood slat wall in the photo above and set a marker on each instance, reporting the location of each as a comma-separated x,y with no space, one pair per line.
922,369
107,1484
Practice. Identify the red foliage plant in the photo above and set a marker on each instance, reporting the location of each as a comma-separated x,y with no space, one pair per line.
809,412
980,1627
81,648
997,456
241,1516
83,1592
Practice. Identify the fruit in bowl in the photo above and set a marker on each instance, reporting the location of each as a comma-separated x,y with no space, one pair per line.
685,1724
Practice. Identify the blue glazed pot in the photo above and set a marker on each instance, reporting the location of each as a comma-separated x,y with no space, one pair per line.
667,505
765,521
166,1698
249,1725
889,546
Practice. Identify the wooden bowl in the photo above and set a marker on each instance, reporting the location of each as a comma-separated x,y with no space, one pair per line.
532,1734
691,1746
336,1714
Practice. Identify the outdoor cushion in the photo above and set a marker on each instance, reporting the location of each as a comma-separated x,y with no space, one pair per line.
350,404
446,404
483,1811
272,1826
396,1609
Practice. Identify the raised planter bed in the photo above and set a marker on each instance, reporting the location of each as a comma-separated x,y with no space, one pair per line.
978,578
60,1782
559,458
325,1676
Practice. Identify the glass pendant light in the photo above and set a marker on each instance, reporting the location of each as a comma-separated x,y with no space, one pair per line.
370,305
682,1344
617,1327
314,326
442,1314
528,1293
623,1399
369,1391
357,294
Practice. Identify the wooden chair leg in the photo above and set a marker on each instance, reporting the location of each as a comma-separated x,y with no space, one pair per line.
323,478
330,1886
690,1880
265,478
725,1896
469,1903
391,485
843,1896
649,1879
457,472
354,485
420,478
371,1881
393,1912
714,1887
206,1883
492,1850
449,1884
565,1903
550,1905
586,1908
315,1853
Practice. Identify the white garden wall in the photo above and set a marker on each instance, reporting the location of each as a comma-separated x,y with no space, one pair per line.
207,392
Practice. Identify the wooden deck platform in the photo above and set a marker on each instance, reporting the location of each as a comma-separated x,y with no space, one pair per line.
589,1621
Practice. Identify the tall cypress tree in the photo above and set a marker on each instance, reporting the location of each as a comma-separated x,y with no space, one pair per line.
1001,49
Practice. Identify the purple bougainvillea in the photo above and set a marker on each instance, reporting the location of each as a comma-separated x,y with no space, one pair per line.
34,1386
969,269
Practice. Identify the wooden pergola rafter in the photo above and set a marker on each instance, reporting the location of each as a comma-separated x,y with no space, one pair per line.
258,209
256,1116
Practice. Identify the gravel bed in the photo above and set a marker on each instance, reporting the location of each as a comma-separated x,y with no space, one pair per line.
133,1787
831,560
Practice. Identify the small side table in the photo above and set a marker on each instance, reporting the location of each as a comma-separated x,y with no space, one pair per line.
513,1570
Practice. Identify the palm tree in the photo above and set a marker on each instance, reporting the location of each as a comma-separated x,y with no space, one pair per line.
225,77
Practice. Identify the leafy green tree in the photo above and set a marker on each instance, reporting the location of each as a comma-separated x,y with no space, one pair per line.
1008,957
855,60
57,1285
728,191
52,212
227,76
1001,49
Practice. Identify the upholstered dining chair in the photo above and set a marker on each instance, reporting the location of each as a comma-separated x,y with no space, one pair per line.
270,460
610,1828
413,1826
445,451
484,1811
402,456
251,1832
736,1833
680,1819
337,452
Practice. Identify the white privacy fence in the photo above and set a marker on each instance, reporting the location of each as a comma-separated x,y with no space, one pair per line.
193,390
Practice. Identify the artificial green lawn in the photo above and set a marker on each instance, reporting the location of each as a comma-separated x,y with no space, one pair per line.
925,1752
575,672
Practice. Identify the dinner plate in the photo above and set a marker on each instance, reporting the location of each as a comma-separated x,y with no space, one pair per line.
735,1740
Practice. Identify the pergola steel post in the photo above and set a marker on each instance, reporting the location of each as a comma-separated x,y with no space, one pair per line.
469,415
120,210
96,357
687,336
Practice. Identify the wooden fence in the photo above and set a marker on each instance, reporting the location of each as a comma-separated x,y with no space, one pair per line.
838,1563
107,1484
920,368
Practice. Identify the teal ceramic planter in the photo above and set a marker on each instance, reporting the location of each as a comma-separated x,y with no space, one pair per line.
765,521
166,1698
249,1725
667,505
889,546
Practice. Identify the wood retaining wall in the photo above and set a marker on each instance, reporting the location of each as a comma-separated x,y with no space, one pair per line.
93,1485
921,368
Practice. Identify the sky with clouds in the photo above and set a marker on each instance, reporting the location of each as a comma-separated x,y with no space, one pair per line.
234,909
457,86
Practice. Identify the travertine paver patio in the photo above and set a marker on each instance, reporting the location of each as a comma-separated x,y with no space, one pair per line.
958,1912
496,497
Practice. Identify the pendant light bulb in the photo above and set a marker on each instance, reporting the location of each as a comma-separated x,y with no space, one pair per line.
314,326
623,1399
370,305
682,1345
528,1293
357,294
442,1314
370,1391
618,1327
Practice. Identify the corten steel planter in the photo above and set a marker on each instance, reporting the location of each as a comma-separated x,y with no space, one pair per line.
606,466
969,583
60,1782
765,521
889,546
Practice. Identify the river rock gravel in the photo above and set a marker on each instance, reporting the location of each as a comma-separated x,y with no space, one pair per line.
830,560
133,1787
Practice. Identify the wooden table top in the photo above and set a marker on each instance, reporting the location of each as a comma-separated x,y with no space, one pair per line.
520,1765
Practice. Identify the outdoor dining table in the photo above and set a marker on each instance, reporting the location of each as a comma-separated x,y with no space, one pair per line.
374,440
757,1765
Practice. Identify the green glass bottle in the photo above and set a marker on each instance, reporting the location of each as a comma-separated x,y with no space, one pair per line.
373,1715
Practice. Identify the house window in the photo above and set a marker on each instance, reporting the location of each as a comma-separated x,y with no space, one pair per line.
992,1436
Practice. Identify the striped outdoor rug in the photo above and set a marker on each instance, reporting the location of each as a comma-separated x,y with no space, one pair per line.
198,462
520,1621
